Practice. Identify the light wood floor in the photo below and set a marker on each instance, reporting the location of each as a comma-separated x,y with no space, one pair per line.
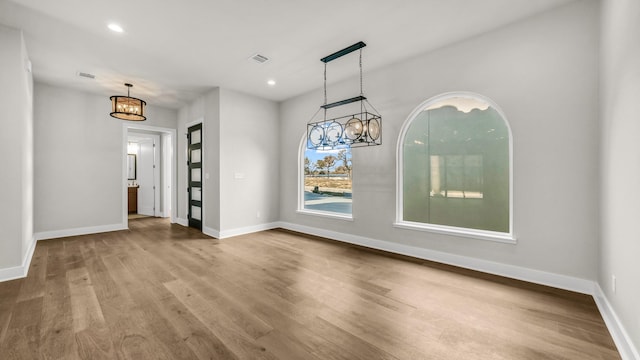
162,291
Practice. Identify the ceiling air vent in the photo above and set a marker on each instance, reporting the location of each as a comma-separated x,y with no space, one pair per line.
86,75
261,59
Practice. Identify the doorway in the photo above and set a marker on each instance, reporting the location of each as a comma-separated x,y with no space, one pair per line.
145,186
153,151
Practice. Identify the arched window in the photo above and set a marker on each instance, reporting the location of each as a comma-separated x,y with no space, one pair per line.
454,168
325,181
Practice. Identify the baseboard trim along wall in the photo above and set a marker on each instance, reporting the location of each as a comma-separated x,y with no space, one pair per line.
209,231
620,336
248,230
21,271
225,234
181,221
45,235
515,272
13,273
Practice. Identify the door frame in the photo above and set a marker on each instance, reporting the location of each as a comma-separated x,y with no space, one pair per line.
186,173
171,133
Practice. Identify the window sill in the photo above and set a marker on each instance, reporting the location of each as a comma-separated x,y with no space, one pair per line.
326,214
456,231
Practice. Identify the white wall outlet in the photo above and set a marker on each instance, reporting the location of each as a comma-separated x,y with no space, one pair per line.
258,214
613,283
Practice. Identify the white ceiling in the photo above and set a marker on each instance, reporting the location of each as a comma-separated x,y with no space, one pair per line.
174,50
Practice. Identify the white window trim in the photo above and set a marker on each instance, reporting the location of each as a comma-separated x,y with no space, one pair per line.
458,231
327,214
301,209
442,229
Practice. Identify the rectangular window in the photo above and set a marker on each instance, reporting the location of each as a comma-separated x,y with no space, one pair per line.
327,181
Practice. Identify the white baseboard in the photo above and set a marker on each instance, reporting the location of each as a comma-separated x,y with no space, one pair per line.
248,230
79,231
510,271
13,273
235,232
146,210
211,232
205,230
620,336
26,262
21,271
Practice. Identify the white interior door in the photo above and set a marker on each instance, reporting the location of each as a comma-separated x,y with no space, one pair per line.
148,177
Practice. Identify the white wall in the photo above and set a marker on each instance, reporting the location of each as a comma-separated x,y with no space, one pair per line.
250,165
16,152
620,97
205,109
543,73
240,140
78,159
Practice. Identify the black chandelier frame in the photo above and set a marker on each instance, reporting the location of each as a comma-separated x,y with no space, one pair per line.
128,107
362,124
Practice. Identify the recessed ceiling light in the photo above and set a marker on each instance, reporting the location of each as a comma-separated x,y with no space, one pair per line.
115,28
271,82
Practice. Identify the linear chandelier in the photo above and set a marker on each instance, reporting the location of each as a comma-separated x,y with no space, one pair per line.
352,122
127,107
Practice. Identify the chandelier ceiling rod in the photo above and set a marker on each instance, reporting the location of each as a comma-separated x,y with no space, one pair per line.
343,102
338,54
343,52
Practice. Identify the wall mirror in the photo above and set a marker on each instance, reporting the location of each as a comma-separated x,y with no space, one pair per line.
131,166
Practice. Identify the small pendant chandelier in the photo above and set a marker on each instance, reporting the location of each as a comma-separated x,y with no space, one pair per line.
127,107
351,122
